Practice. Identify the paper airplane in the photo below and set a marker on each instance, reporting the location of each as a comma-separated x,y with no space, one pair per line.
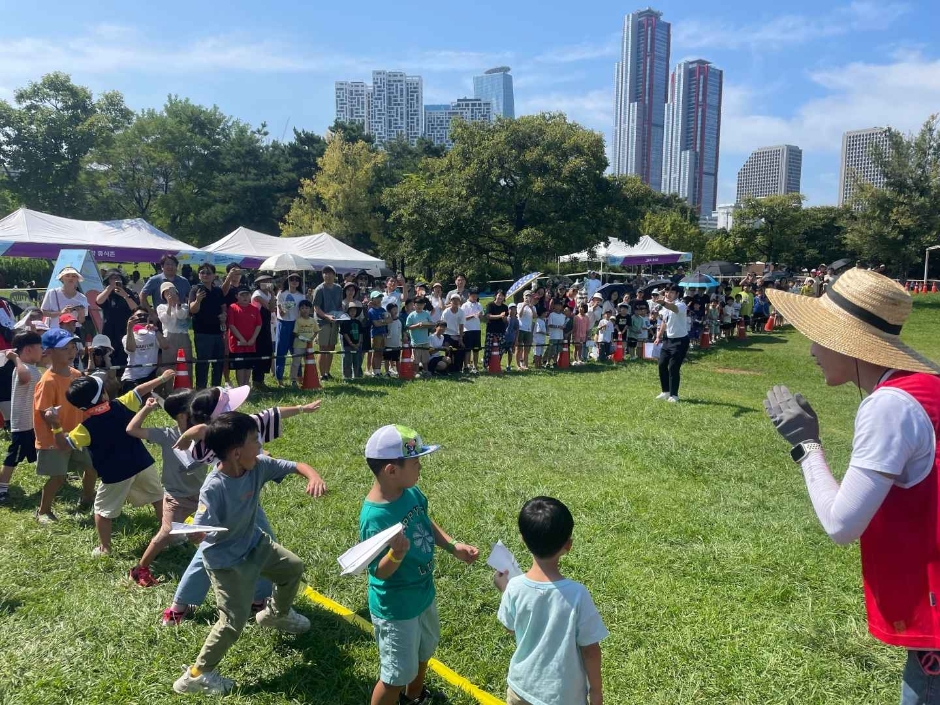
358,558
501,559
179,529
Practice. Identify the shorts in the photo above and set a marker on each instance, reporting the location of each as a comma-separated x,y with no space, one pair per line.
540,345
143,488
326,338
404,643
378,343
53,462
632,343
433,365
471,339
22,448
524,339
513,699
727,326
177,509
392,355
554,347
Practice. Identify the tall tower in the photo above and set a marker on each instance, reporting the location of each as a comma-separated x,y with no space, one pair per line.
640,81
857,162
770,171
692,134
495,86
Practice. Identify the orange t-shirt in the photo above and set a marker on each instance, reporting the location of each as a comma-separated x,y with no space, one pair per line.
50,391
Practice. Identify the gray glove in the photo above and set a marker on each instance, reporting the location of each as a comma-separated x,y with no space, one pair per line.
792,416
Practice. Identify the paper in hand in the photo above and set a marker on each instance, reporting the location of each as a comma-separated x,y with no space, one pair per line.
179,529
358,558
501,559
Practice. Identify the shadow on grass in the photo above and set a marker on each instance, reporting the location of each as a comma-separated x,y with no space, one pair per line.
738,409
8,607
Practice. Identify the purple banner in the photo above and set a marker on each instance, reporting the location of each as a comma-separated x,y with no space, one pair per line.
651,259
101,254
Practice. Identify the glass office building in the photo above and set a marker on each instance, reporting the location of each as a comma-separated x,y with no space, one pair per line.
496,86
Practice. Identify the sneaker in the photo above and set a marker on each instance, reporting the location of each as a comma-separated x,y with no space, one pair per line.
326,378
47,518
141,575
258,606
392,374
426,698
210,683
100,552
173,618
664,395
291,623
673,400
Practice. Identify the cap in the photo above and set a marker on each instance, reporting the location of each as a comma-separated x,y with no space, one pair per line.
70,270
656,292
394,442
67,318
624,304
240,290
453,296
165,287
57,338
261,278
437,284
595,295
354,304
294,275
474,290
101,341
376,294
84,392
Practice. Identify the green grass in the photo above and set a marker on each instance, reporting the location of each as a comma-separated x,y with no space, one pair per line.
693,533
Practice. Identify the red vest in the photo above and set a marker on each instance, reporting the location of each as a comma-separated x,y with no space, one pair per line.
901,546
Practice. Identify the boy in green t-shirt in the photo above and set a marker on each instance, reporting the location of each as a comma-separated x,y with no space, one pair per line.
401,582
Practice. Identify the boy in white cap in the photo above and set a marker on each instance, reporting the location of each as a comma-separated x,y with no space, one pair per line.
401,581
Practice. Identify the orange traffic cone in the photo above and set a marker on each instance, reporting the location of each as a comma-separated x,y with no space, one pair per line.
494,368
182,379
769,325
705,342
311,378
618,350
406,368
742,330
564,358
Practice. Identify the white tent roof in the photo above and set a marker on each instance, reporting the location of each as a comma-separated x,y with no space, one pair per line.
321,249
646,251
27,233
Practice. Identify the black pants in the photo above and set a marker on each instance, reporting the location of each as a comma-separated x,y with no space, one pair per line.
209,346
671,358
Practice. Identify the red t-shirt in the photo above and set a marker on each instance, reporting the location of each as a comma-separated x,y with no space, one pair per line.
245,319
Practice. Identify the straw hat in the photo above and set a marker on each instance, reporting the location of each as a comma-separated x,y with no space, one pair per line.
861,316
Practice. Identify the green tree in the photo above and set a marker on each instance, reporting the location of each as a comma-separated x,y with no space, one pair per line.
770,228
673,229
824,235
895,224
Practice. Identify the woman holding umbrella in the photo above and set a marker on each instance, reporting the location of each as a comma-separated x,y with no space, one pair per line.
888,497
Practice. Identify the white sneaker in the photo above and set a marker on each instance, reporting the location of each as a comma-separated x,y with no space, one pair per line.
664,395
673,400
100,552
209,682
291,623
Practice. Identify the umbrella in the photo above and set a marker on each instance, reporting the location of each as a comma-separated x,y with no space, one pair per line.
720,268
840,264
698,281
286,261
522,283
776,276
655,284
619,288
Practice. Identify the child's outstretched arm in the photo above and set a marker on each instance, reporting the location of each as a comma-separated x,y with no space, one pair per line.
147,387
135,427
288,411
461,551
591,655
190,436
316,487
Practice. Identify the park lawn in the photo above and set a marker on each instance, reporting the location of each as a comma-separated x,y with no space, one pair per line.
693,533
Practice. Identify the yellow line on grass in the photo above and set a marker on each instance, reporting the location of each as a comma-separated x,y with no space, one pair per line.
450,676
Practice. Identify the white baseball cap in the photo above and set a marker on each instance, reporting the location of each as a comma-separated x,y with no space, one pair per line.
394,442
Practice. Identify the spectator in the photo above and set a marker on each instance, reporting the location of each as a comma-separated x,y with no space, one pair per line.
419,326
473,314
350,328
391,294
497,315
65,299
116,302
265,301
149,295
592,284
379,319
174,319
461,281
439,363
134,284
244,327
207,304
436,302
305,332
287,301
392,354
327,298
526,315
455,320
142,342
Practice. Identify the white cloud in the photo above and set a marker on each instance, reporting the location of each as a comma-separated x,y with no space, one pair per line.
592,109
584,51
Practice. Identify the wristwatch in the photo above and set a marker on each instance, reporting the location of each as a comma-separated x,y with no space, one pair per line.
801,450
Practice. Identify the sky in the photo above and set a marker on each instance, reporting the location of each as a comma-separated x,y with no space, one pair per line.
799,73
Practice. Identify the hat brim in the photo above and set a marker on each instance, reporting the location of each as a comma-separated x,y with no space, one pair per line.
425,450
824,323
77,274
236,397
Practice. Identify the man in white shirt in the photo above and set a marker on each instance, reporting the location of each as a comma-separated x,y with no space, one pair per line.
456,320
673,333
472,336
592,284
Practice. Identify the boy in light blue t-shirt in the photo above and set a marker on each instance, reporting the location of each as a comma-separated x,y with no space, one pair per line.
401,581
558,630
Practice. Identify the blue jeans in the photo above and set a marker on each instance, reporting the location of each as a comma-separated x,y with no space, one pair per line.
283,346
209,346
920,687
194,585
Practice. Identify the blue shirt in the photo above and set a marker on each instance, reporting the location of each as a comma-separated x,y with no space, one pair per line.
232,502
419,336
512,330
377,314
551,621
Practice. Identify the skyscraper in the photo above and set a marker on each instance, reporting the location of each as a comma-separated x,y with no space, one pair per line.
692,134
770,171
438,118
640,81
495,86
392,107
857,162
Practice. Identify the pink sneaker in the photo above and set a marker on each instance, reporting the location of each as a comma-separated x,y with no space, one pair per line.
173,618
141,575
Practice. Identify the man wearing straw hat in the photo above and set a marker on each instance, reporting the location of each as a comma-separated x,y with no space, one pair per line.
889,497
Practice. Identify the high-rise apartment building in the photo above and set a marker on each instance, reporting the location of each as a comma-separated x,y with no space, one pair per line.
393,105
770,171
857,163
692,134
641,78
438,118
495,86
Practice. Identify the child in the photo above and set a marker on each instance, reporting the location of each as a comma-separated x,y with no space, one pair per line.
142,342
237,557
737,307
393,341
639,323
305,331
180,482
378,317
25,354
125,467
605,332
557,628
419,325
509,337
401,582
472,336
713,318
244,326
51,462
539,334
579,333
556,330
406,311
99,364
351,331
727,320
439,361
622,322
68,322
698,321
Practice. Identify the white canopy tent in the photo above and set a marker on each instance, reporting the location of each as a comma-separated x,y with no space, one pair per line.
250,248
28,233
619,253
